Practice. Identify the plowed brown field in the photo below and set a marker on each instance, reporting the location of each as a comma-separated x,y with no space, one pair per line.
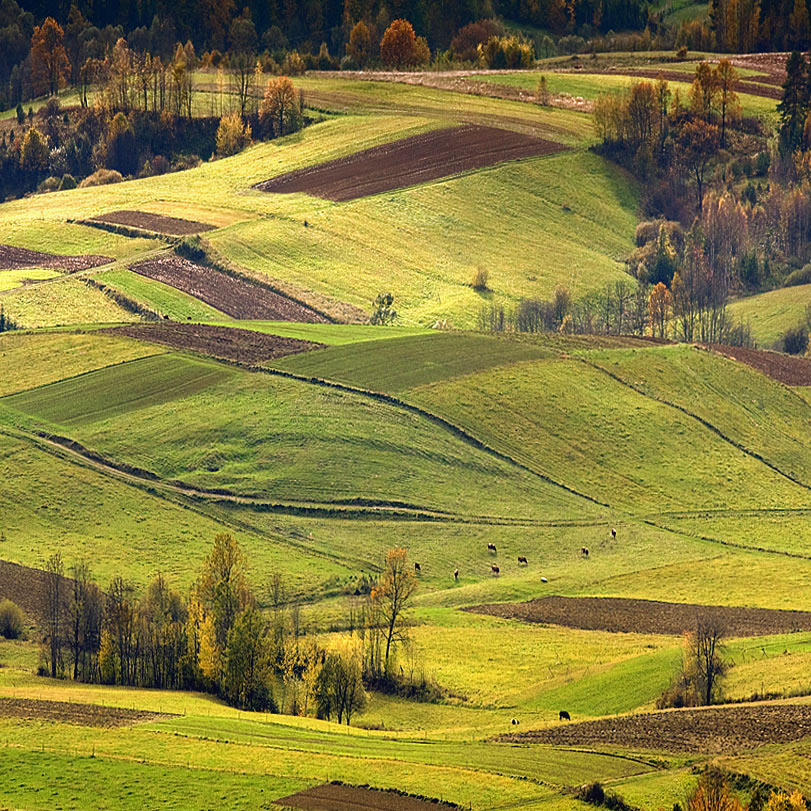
66,712
789,369
338,797
12,258
159,223
27,587
624,615
238,297
409,161
240,345
714,730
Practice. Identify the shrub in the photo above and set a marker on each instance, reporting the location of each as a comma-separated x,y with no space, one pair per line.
480,278
101,177
359,47
233,135
293,64
34,153
383,312
20,114
68,182
122,150
192,248
795,341
160,165
502,53
12,620
465,44
762,162
49,184
800,276
681,54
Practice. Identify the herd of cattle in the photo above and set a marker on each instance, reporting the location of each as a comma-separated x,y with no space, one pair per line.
522,559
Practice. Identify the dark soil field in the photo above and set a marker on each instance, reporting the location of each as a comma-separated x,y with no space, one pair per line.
338,797
789,369
12,258
26,587
409,161
714,730
174,226
237,297
66,712
240,345
647,616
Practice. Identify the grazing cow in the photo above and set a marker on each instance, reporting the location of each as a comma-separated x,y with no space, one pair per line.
417,568
564,716
494,569
514,722
544,580
456,574
613,534
522,559
491,547
584,551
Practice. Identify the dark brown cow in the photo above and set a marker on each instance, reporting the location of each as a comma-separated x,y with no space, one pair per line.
564,716
491,547
417,568
522,559
584,551
494,569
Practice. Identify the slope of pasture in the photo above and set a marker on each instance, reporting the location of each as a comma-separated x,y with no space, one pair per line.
11,279
329,334
34,359
51,504
161,298
62,301
771,314
581,427
398,365
118,390
590,85
275,438
563,219
752,410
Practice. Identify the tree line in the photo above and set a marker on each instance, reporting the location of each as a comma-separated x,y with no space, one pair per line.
217,639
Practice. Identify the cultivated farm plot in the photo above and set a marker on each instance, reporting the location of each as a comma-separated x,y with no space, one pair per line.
229,343
237,297
410,161
13,258
118,390
92,715
715,730
648,616
339,797
159,223
788,369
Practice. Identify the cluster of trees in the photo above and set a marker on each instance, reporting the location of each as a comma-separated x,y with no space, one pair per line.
216,638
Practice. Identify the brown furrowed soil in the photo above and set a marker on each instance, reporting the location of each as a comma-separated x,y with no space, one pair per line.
239,345
238,297
12,258
623,615
714,730
338,797
27,588
66,712
789,369
161,224
410,161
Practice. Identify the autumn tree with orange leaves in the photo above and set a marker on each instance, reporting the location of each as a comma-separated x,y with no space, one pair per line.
398,48
659,305
49,60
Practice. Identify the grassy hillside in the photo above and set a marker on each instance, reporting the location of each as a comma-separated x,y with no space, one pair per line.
771,314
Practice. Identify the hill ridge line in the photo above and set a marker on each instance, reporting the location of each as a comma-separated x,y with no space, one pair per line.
706,423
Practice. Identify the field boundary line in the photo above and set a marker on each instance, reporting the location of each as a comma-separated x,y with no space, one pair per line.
706,423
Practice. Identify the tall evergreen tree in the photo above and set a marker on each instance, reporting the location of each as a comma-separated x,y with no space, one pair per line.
793,105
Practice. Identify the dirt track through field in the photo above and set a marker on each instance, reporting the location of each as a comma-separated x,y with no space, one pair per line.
238,297
714,730
228,343
338,797
622,615
791,370
159,223
13,258
66,712
409,161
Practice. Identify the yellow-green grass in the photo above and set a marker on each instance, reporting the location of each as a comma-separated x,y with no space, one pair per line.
775,664
590,85
161,298
562,219
60,302
751,410
275,438
118,390
396,366
657,789
34,359
584,429
51,504
11,279
329,334
785,766
770,314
